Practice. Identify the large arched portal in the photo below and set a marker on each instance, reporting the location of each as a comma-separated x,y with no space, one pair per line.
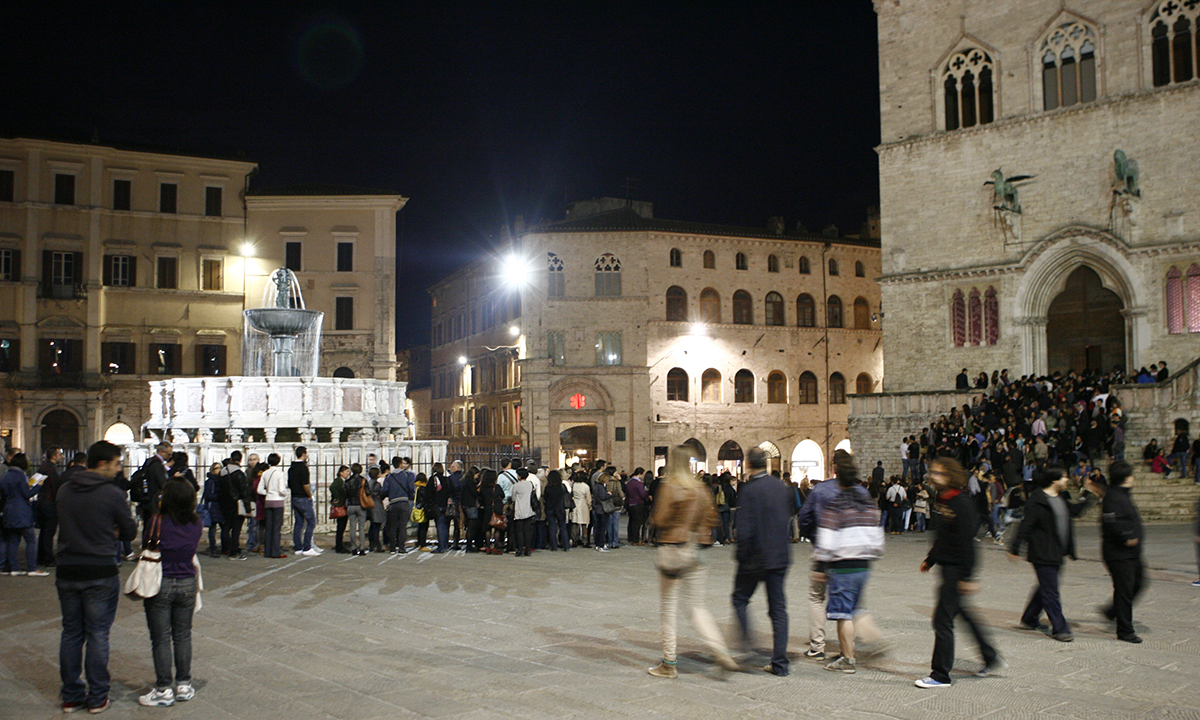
60,428
1085,329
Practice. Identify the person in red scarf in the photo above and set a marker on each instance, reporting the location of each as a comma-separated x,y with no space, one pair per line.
954,549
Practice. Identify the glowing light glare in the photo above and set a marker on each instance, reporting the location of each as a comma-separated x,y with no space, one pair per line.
516,270
697,328
462,359
246,249
514,330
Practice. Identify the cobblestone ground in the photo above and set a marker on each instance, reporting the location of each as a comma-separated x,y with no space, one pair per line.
571,635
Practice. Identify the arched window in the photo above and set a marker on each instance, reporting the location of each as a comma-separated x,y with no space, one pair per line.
806,311
974,318
991,317
710,386
743,308
710,306
837,389
1174,41
776,388
958,318
740,261
555,285
833,312
863,384
772,263
1068,66
807,389
608,276
833,267
862,314
677,304
676,258
343,372
677,385
967,89
1192,291
743,386
608,348
710,260
774,309
556,346
805,268
859,270
1174,301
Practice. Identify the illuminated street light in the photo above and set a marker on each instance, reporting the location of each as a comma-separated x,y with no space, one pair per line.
514,330
516,270
462,359
698,328
246,249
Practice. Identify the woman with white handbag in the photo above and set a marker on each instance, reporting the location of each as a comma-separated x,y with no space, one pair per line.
685,515
169,613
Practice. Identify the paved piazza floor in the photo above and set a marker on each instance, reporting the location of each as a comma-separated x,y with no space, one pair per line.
556,636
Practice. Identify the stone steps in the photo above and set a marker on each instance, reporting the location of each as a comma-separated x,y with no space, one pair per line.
1161,500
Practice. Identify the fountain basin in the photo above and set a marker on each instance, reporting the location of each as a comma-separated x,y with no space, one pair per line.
278,322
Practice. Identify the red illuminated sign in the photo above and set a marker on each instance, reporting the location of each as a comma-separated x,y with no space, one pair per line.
578,401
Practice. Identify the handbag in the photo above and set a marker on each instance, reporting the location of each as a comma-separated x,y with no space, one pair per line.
418,515
337,511
674,559
568,502
498,521
607,506
535,504
146,579
364,498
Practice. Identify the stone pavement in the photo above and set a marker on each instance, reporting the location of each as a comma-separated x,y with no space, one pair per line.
571,635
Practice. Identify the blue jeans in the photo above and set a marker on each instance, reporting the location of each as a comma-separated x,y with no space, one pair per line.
251,534
304,522
744,585
442,523
169,618
13,536
614,529
1045,597
88,609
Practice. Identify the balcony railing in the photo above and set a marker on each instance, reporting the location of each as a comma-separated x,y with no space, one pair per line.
49,379
62,291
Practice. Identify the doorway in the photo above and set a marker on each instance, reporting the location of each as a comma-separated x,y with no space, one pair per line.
59,427
578,442
1085,330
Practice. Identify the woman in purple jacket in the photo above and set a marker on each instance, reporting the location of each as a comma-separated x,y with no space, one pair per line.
169,614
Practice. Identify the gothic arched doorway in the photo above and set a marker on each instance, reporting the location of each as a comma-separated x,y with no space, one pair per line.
61,428
1085,329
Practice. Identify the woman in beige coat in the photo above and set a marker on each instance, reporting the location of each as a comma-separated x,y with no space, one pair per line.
685,515
581,493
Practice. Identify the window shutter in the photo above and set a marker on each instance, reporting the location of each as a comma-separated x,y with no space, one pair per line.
133,270
78,268
199,369
17,273
47,270
107,272
177,365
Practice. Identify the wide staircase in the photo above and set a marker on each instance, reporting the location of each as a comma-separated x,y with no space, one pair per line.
1160,500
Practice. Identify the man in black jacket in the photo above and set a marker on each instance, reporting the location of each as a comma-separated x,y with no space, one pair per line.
1121,545
92,512
954,549
1048,529
764,553
231,494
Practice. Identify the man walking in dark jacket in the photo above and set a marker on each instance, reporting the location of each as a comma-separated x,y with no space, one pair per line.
47,516
954,550
764,553
1121,546
92,513
1048,530
231,493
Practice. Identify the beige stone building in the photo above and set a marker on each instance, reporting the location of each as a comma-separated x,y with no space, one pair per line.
1038,173
120,266
614,335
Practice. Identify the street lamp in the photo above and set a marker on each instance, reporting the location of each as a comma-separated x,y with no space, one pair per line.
516,269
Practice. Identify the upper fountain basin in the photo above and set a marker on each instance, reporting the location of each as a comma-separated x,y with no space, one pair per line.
282,321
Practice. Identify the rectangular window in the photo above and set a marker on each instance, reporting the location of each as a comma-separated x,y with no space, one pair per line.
608,349
168,198
291,255
558,349
556,284
167,275
166,359
120,271
210,360
212,201
8,182
345,257
64,189
212,274
10,264
343,314
118,358
60,356
620,435
122,198
62,274
10,355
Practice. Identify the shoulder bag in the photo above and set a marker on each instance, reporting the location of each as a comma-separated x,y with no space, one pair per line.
364,497
146,579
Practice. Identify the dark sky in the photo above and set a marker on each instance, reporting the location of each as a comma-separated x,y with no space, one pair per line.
722,112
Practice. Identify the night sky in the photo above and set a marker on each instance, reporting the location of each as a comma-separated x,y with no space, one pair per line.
478,112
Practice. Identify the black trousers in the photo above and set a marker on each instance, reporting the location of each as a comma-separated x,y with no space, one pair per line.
744,585
950,605
637,521
1128,579
231,533
523,535
48,522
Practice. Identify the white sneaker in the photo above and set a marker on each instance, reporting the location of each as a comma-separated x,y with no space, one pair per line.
38,573
309,553
318,549
185,692
158,698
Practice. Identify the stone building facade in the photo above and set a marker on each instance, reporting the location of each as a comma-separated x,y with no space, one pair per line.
119,266
613,334
1038,168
